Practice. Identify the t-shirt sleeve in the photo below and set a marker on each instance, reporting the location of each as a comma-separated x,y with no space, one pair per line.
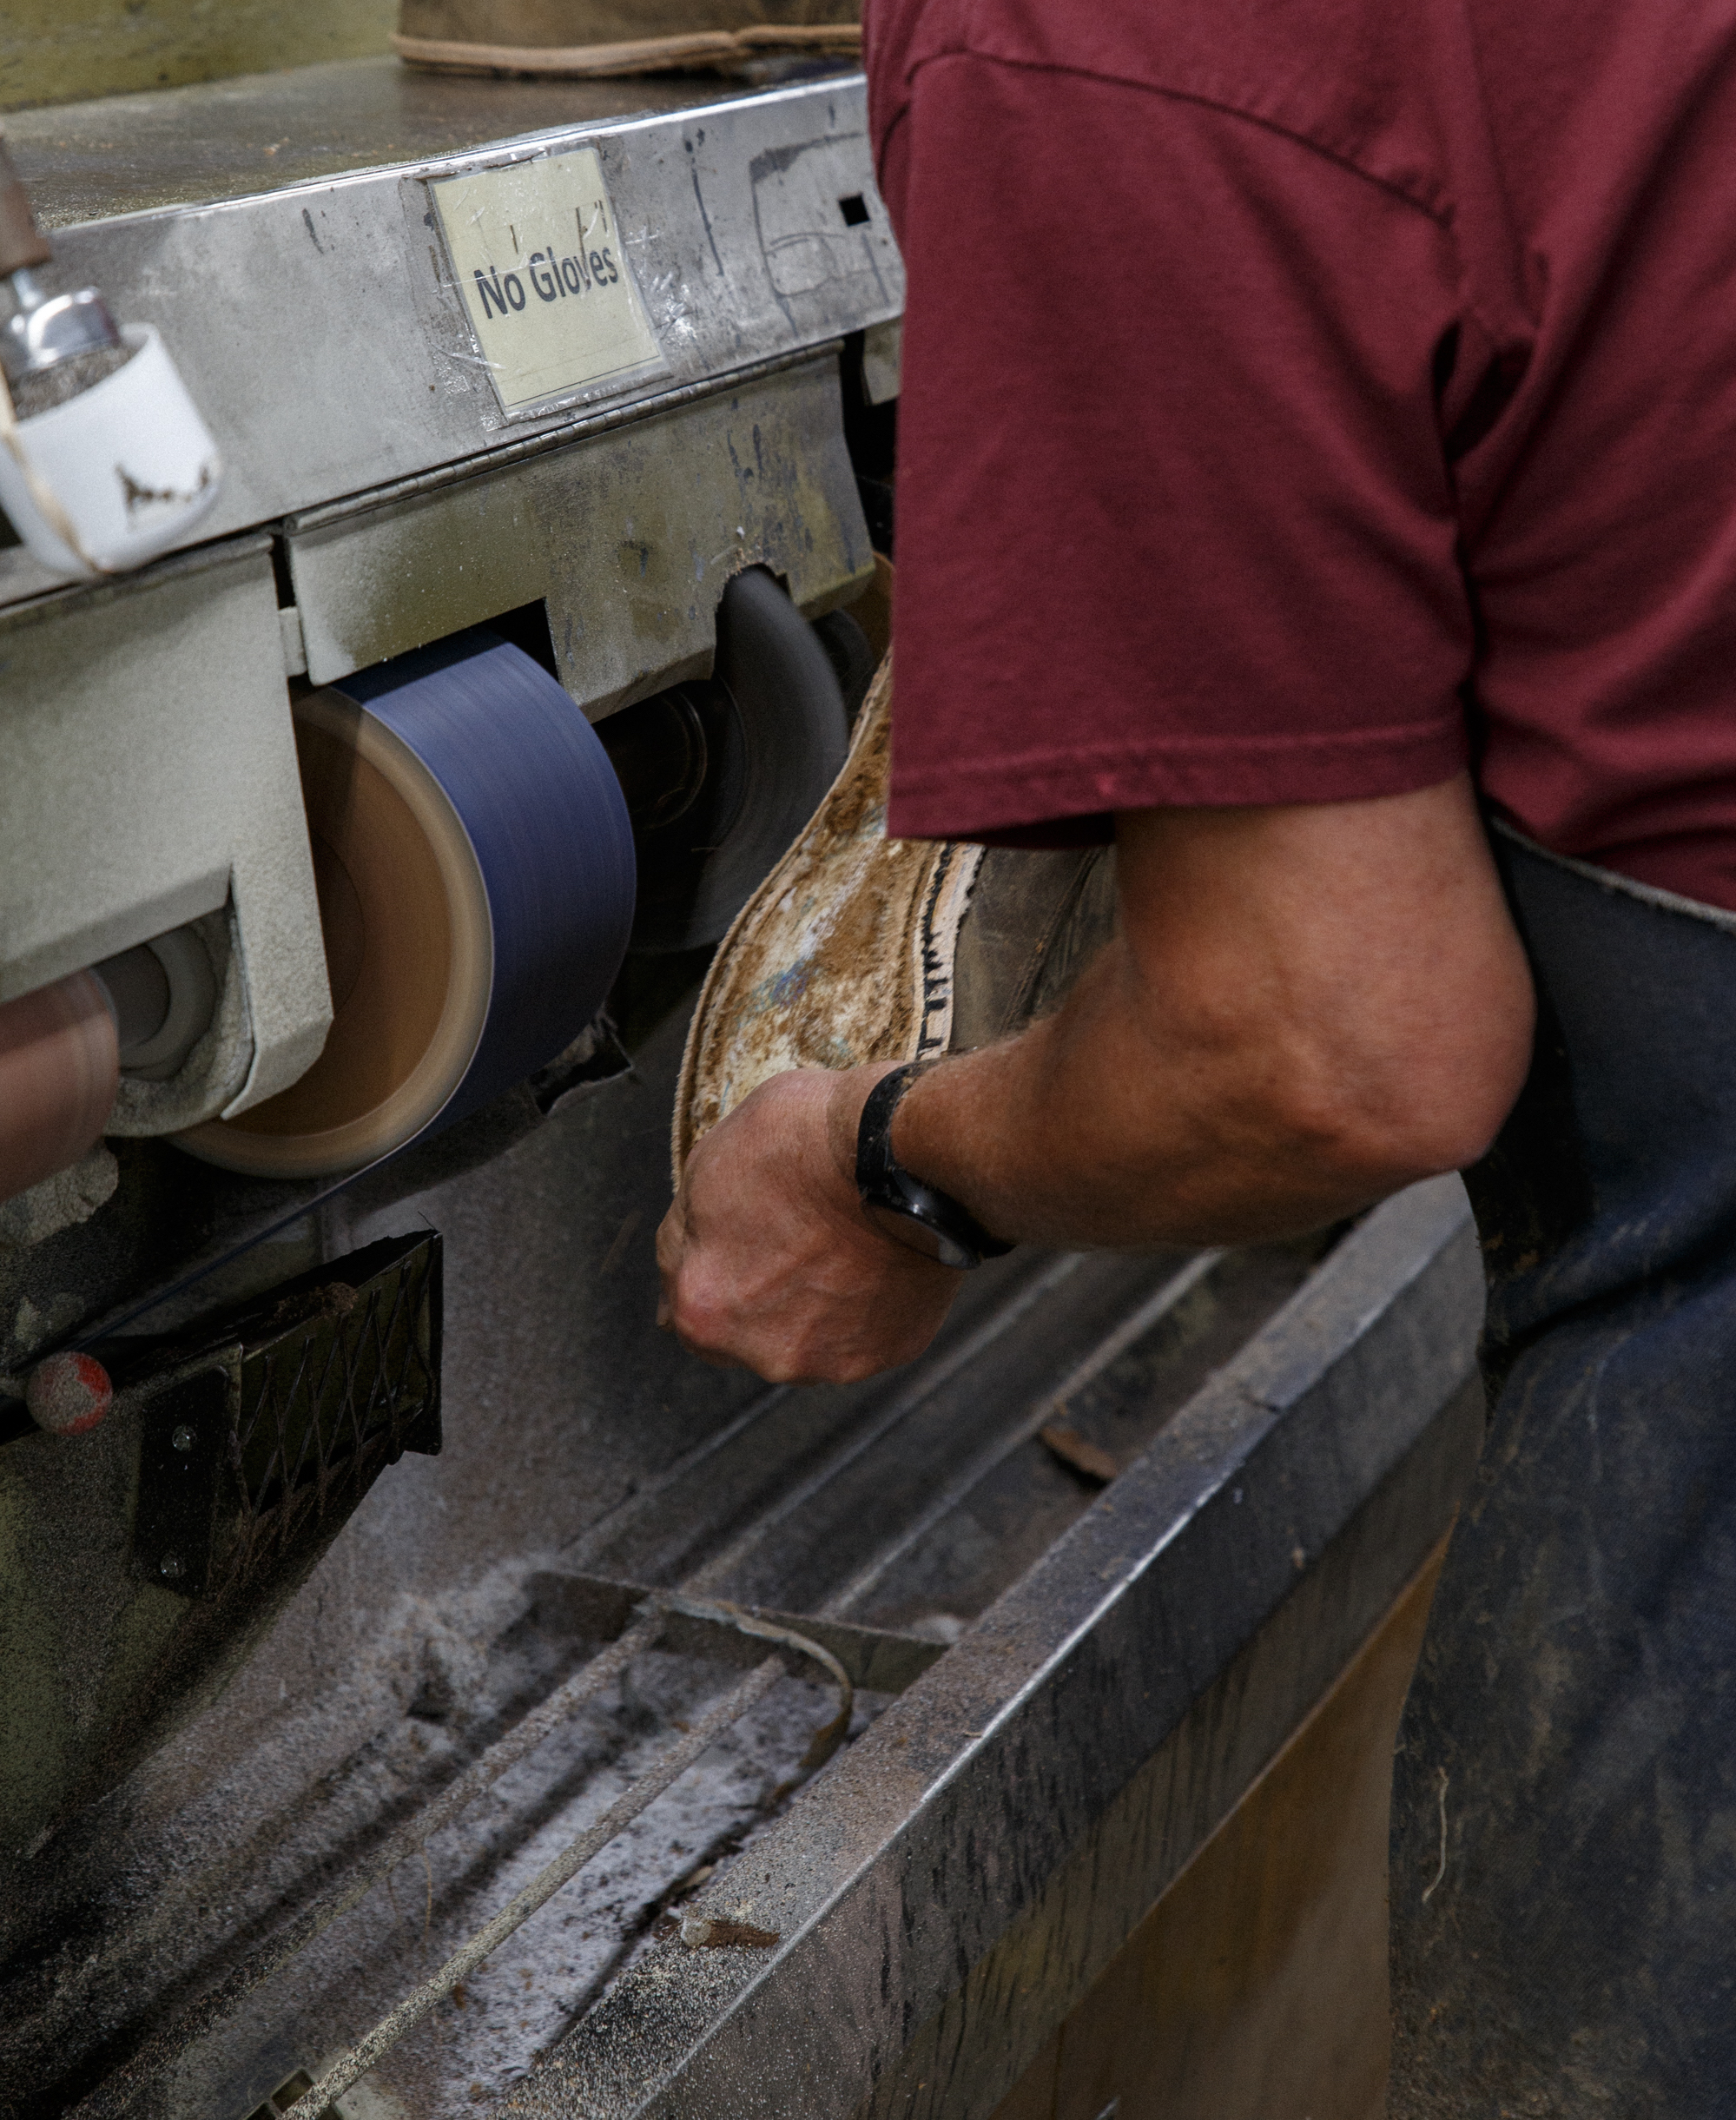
1174,520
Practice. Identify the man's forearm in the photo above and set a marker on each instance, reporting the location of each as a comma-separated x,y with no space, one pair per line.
1290,1024
1085,1130
1303,1010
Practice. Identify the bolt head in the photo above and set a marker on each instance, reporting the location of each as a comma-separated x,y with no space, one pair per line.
171,1566
183,1438
68,1394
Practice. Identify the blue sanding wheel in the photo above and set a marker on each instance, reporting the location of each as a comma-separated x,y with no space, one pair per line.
475,873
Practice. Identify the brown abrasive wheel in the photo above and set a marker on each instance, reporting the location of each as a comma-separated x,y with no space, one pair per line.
408,951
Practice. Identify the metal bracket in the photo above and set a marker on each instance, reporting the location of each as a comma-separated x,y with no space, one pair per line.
185,1476
595,1608
261,1440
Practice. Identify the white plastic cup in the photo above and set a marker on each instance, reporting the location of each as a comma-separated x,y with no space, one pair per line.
130,463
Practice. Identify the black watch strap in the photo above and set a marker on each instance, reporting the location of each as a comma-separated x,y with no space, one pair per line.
919,1215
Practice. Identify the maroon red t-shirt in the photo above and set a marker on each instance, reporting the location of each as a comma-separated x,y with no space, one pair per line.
1302,399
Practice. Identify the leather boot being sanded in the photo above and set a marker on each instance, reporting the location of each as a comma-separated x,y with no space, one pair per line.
593,39
861,948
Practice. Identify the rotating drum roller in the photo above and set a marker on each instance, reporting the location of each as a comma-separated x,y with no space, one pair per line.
59,1067
476,876
723,774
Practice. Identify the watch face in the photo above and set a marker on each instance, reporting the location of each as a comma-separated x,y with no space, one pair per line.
916,1235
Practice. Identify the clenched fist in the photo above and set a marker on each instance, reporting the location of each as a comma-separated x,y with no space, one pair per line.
768,1260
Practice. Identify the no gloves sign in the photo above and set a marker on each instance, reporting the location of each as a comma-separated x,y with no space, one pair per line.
538,258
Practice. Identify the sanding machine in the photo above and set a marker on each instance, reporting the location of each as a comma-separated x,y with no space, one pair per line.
574,387
490,621
380,762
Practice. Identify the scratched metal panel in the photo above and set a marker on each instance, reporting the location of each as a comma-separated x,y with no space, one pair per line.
258,133
630,535
150,777
316,329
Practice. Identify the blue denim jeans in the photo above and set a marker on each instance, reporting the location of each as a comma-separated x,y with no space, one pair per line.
1564,1821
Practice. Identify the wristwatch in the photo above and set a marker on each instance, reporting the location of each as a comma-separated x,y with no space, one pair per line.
902,1206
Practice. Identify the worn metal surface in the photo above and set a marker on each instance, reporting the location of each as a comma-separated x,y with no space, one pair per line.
150,779
316,328
633,1621
630,537
262,132
653,1782
984,1848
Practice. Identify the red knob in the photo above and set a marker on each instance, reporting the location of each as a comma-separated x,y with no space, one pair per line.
68,1394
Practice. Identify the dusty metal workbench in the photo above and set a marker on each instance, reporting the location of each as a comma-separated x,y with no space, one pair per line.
1120,1672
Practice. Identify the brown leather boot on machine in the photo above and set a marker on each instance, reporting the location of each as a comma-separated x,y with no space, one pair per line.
861,948
590,39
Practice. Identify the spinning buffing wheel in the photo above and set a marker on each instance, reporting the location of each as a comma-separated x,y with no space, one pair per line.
475,872
721,774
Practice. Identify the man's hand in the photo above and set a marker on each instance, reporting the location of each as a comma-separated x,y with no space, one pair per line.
768,1260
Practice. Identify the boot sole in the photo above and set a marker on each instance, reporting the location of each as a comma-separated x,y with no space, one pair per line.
652,55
